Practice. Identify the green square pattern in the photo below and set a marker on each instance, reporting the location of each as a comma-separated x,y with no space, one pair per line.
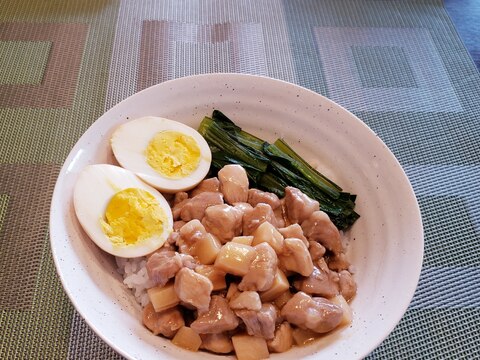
449,232
23,62
383,67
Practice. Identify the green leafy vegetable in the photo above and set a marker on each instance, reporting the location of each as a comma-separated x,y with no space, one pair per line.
272,167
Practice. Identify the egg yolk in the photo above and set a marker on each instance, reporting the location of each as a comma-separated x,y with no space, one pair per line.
173,154
132,215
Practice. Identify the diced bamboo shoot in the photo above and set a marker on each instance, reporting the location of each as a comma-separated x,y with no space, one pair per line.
163,297
280,285
235,258
283,339
246,240
207,249
347,310
246,300
217,277
232,291
218,343
187,339
266,232
282,299
250,347
304,337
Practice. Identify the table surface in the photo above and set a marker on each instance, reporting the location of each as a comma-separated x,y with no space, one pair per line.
465,14
405,72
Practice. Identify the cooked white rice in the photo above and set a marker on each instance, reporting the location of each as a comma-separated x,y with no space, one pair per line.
135,276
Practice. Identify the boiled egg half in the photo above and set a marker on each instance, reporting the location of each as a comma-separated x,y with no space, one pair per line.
166,154
120,213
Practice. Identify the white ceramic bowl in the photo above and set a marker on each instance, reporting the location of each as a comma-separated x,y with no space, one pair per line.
386,242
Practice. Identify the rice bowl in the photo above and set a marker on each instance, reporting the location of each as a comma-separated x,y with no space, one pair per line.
390,223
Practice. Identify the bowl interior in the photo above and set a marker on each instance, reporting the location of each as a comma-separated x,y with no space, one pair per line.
386,243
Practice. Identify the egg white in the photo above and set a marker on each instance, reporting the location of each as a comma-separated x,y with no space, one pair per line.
93,190
130,140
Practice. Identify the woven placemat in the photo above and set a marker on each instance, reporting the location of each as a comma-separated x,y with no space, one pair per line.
399,65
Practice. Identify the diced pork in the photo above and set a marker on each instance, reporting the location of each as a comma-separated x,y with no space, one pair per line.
190,234
177,225
298,205
223,221
168,246
163,265
317,314
165,323
348,287
262,269
338,262
256,196
207,185
188,261
242,206
295,257
233,183
217,319
179,200
316,250
193,289
256,216
194,208
260,323
279,217
172,238
318,227
322,282
179,197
